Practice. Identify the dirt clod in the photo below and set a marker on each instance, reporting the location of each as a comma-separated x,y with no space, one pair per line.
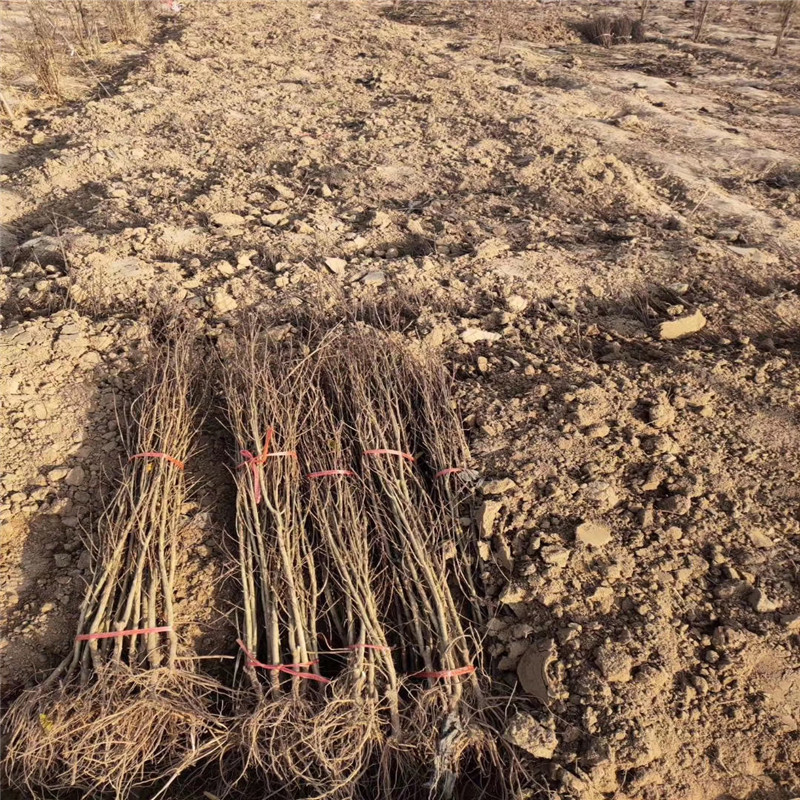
594,534
682,326
527,732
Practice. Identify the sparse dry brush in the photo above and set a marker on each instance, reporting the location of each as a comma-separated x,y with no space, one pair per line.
65,39
126,708
700,18
128,20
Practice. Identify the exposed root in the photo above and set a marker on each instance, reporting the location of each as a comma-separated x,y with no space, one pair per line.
126,729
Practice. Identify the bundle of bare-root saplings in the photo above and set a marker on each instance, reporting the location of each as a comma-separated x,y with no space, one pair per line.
361,622
291,732
126,708
412,459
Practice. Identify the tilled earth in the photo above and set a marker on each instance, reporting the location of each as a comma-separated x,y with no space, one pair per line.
539,208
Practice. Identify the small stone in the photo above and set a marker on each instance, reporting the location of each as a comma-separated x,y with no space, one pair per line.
483,364
516,303
527,733
760,539
375,278
491,248
761,603
682,326
513,593
594,534
654,479
57,474
602,494
62,560
8,241
754,254
503,555
336,265
76,476
227,219
221,301
47,608
472,335
487,514
555,556
44,250
274,220
598,431
224,268
533,669
791,622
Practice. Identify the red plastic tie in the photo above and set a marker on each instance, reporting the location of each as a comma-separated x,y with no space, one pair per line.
384,452
446,673
254,462
178,464
449,471
288,669
88,637
327,472
381,647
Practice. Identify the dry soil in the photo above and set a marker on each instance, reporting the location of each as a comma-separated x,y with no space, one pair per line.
603,243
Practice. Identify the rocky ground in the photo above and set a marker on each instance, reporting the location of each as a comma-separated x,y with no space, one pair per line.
603,243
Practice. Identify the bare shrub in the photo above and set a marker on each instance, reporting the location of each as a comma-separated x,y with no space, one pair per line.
41,52
607,31
84,34
700,17
786,9
128,20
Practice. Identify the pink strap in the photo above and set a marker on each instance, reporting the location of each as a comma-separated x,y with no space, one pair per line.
178,464
88,637
327,472
449,471
254,462
288,669
384,452
446,673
